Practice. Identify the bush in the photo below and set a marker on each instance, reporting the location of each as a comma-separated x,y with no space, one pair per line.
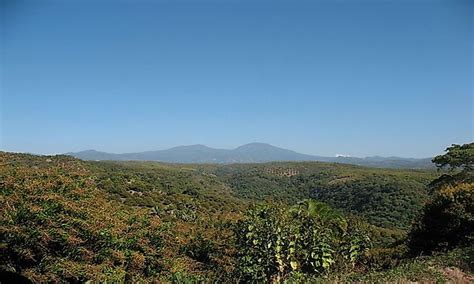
200,249
309,237
383,258
447,221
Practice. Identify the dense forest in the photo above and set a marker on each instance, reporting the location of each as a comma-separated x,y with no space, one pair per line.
67,220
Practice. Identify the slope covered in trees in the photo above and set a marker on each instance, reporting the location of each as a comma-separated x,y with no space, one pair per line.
67,220
386,198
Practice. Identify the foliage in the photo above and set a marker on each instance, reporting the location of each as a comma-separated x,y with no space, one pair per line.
185,278
309,237
434,269
200,249
457,156
447,221
55,224
439,268
383,258
66,220
386,198
459,159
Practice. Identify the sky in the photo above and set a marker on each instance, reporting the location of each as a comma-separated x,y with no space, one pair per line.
360,78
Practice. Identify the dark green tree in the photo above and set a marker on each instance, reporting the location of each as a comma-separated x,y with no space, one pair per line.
459,161
448,219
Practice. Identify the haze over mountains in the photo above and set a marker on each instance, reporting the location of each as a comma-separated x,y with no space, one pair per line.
248,153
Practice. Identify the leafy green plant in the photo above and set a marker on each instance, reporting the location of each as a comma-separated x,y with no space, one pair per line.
306,238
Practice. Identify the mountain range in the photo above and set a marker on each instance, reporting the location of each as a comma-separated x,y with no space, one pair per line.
248,153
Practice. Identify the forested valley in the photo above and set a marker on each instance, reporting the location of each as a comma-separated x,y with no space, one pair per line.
67,220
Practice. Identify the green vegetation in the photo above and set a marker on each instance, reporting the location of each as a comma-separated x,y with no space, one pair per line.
309,237
385,198
448,219
56,224
67,220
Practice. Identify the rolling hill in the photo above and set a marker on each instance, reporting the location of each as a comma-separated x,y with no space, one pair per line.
70,220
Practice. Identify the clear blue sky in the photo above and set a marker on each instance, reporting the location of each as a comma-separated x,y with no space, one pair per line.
341,77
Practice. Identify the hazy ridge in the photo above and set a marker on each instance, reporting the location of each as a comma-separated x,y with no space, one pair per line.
248,153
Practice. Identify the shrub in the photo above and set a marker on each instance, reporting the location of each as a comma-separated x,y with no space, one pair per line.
447,221
309,237
200,249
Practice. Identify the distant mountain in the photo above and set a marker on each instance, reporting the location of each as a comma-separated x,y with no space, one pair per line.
248,153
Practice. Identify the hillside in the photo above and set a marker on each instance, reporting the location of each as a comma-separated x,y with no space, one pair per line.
74,220
248,153
68,220
385,197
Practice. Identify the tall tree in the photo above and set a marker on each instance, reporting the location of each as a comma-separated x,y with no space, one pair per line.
459,161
